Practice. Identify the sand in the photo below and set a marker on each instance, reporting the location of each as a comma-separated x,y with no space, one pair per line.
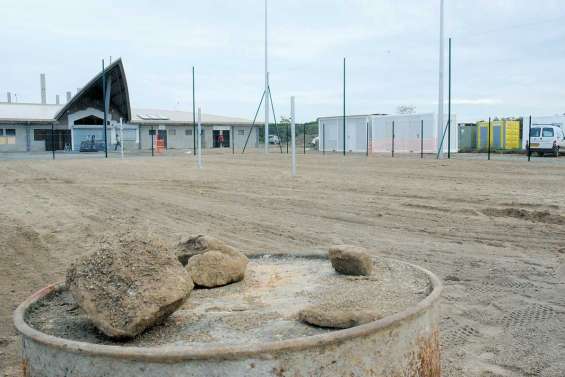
493,231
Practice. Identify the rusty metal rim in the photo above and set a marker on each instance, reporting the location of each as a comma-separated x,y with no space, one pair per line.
172,354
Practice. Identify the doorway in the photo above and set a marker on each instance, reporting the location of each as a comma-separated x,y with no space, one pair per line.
59,140
162,135
221,138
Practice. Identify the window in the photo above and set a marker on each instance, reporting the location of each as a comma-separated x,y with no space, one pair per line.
535,132
8,136
90,120
173,131
241,132
548,132
188,132
40,134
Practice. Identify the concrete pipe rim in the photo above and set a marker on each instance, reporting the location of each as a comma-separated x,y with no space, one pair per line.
172,354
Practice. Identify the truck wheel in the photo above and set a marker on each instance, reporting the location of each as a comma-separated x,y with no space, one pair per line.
540,154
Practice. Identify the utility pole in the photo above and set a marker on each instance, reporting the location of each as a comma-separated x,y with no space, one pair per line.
292,130
344,111
441,77
266,82
449,106
105,109
193,110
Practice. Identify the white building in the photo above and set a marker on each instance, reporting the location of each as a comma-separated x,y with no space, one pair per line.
26,127
411,133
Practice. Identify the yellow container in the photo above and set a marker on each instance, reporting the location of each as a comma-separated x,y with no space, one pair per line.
504,134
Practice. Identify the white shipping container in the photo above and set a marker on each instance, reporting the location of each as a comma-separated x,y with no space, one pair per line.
330,131
407,131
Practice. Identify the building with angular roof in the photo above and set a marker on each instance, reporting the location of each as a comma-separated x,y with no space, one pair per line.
78,125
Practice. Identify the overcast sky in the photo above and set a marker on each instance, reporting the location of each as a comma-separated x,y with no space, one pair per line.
509,55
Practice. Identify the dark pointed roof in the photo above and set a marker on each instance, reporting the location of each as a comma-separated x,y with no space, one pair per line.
92,93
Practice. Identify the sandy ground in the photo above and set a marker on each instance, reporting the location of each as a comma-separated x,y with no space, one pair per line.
493,231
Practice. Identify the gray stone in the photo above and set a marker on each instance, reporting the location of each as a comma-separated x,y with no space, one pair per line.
128,286
329,316
217,268
199,245
351,260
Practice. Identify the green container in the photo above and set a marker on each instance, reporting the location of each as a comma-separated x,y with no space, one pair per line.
467,137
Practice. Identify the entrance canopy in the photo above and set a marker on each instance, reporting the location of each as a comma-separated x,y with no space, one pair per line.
91,95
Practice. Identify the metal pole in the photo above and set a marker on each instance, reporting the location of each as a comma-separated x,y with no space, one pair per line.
122,137
53,139
489,123
105,109
275,119
199,142
530,140
266,81
304,130
393,138
344,115
193,110
232,140
367,139
152,142
441,76
422,139
449,106
324,138
287,136
253,124
293,128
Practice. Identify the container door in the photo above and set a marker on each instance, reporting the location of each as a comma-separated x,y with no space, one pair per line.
496,141
484,138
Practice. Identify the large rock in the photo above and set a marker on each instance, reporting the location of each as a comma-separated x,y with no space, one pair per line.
351,260
330,316
216,268
128,286
199,245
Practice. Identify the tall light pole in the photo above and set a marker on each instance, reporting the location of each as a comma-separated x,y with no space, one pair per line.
441,83
266,83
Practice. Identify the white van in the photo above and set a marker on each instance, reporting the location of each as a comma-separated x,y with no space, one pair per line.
546,139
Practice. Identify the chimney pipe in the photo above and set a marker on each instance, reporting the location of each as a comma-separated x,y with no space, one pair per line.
43,89
57,100
68,97
9,97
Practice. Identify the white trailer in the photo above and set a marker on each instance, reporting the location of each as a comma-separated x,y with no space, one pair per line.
330,132
379,129
411,132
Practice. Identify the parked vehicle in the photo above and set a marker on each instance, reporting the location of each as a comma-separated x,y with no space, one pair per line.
546,139
274,139
316,143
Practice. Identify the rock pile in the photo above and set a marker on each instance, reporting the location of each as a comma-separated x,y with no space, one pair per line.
128,286
337,312
212,263
331,316
351,260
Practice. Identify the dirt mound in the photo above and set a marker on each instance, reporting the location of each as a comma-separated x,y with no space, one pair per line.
545,217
